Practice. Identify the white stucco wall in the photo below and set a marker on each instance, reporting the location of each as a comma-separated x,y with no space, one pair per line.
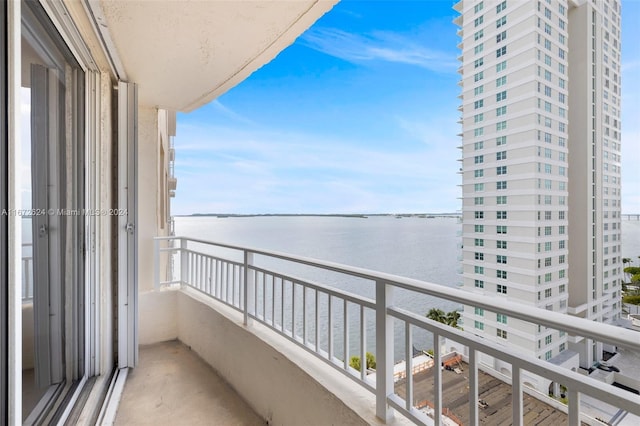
148,136
158,316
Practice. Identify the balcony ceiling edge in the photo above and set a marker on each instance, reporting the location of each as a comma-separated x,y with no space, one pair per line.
183,54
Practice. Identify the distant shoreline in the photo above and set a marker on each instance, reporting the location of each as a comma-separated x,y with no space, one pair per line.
361,216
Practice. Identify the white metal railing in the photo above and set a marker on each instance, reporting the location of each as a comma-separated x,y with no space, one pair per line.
334,324
27,272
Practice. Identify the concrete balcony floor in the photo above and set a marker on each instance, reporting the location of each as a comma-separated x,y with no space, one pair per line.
173,386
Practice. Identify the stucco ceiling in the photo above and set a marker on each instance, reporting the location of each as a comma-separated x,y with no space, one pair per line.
185,53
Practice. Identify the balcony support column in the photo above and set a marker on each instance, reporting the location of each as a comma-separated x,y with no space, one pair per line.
384,351
516,395
437,379
574,407
474,418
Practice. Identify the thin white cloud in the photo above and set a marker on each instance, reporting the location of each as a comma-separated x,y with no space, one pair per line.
294,173
377,46
228,112
630,65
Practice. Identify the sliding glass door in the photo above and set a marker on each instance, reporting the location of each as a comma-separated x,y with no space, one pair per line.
52,98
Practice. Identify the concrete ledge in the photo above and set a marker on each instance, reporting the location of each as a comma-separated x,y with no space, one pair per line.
282,382
158,317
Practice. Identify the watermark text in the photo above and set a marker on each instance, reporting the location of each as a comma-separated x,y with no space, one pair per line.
63,212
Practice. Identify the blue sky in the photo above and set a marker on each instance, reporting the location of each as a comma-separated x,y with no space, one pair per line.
359,115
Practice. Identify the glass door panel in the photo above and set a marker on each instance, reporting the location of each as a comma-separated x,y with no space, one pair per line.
52,186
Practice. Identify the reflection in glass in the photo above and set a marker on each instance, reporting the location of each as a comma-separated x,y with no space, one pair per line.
51,185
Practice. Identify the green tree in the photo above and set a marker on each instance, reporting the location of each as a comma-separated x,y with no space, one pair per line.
355,363
449,318
630,272
452,318
625,261
437,315
631,299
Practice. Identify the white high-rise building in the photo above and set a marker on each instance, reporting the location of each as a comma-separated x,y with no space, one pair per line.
541,165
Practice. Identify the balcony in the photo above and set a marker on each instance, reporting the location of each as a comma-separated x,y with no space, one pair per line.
173,184
269,330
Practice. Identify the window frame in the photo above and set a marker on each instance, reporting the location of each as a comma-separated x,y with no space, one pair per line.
4,219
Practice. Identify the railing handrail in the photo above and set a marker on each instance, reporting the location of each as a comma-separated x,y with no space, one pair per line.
237,283
579,326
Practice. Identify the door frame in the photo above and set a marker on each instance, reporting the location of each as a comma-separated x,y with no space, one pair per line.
4,222
127,225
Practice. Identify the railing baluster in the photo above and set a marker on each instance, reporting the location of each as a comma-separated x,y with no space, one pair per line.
233,284
195,282
240,286
248,286
237,286
212,277
229,283
223,281
238,289
330,331
293,309
408,350
474,419
345,337
190,269
256,276
316,323
437,380
304,315
363,344
516,395
264,297
282,285
220,268
219,273
207,274
184,267
203,272
273,301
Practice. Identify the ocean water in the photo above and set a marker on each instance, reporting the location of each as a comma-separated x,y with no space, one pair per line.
631,240
422,248
427,249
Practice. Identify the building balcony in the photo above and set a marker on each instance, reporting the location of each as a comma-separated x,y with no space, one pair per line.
173,183
269,333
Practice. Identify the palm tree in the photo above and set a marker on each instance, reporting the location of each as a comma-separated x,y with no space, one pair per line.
625,261
452,318
438,315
